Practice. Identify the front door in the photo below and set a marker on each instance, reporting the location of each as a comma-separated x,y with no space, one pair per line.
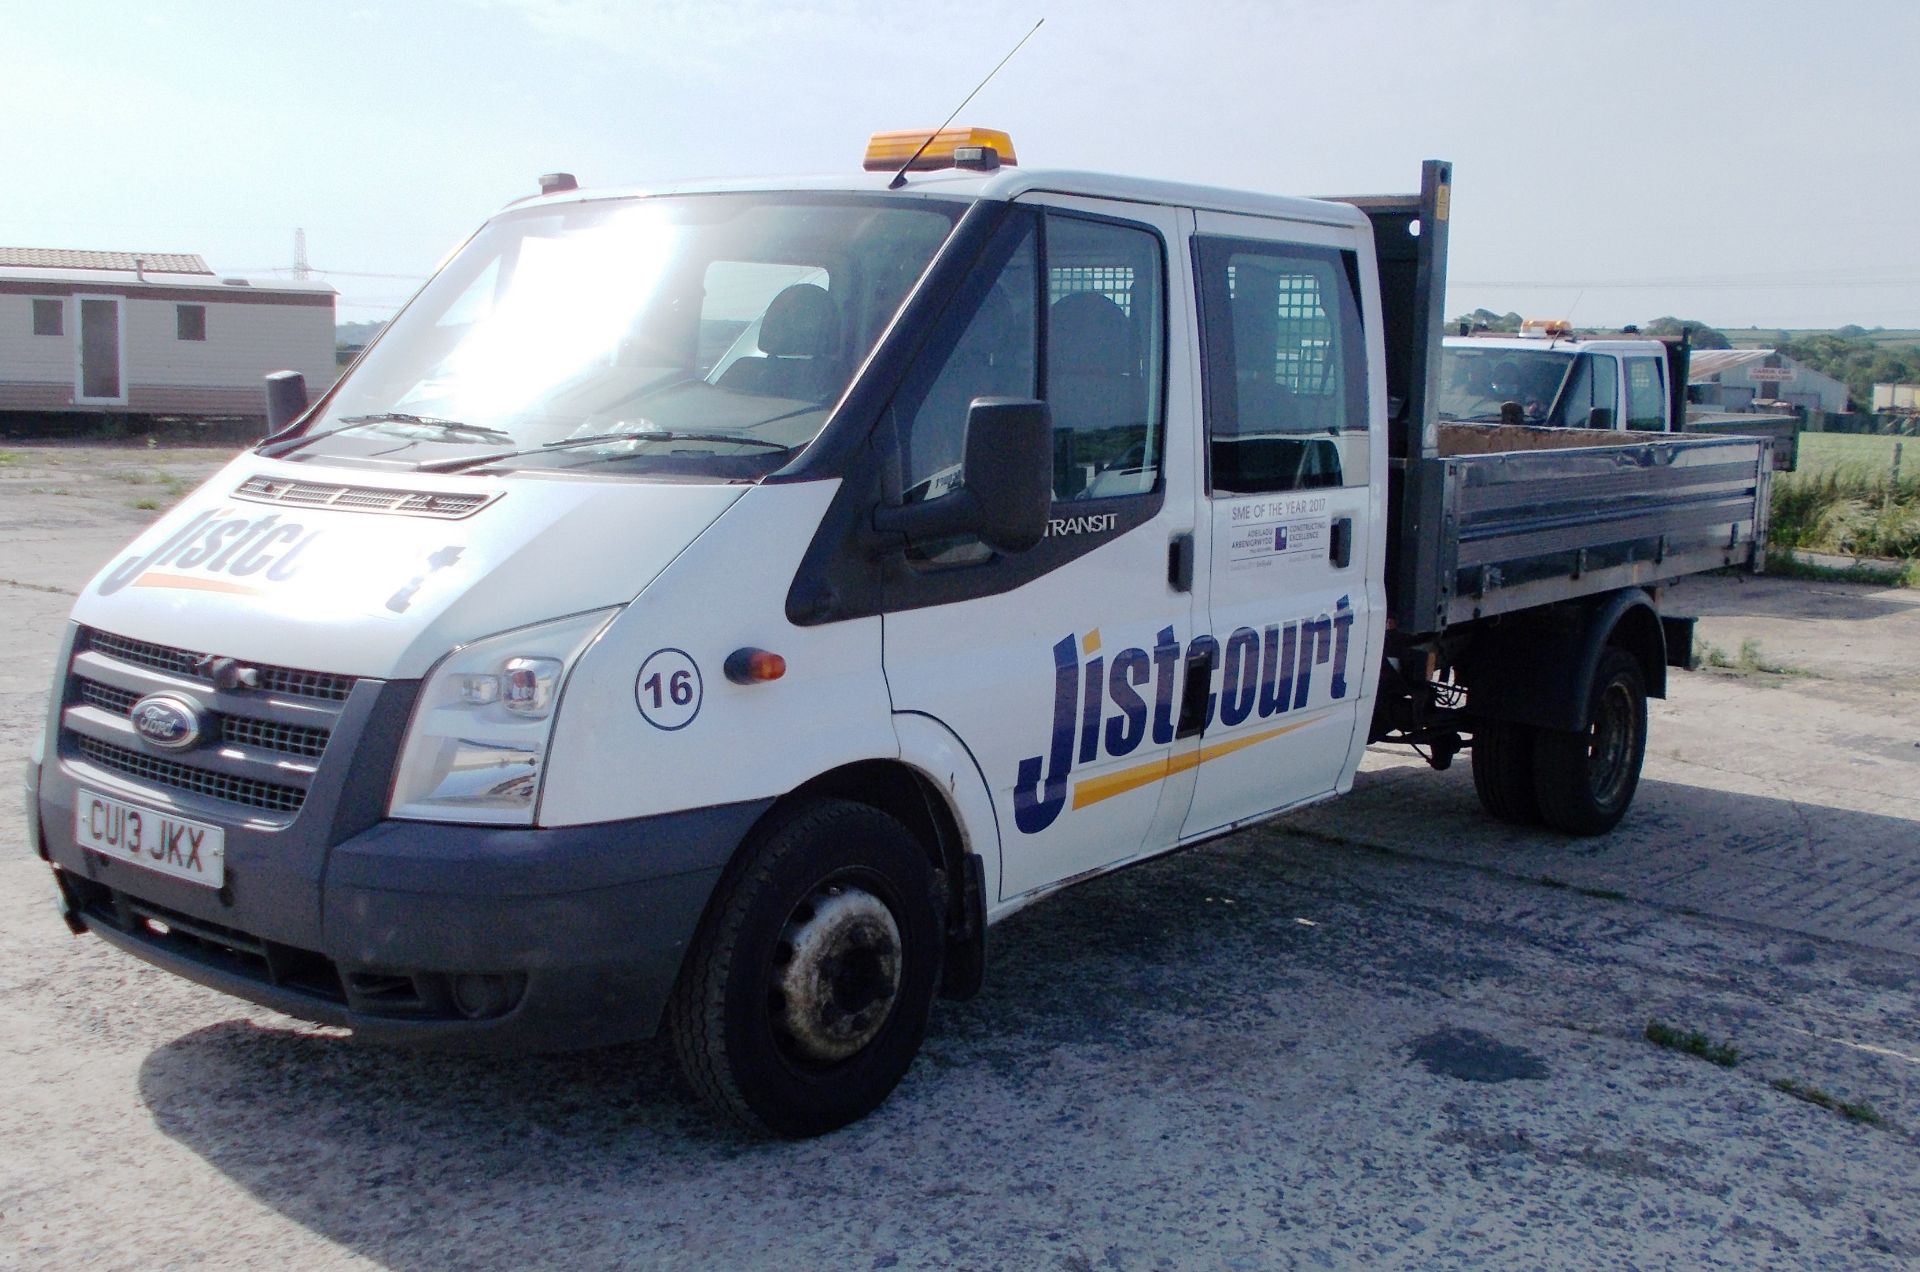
100,371
1060,668
1294,436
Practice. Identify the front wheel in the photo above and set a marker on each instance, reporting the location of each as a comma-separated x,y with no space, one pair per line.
807,992
1585,780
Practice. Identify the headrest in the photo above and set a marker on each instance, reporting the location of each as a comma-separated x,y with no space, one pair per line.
1089,336
800,323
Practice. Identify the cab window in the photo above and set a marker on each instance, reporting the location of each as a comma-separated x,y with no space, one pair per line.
1591,388
1285,366
1091,295
1646,395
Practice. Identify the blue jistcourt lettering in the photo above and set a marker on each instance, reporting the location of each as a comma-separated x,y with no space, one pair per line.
221,543
1033,810
1262,674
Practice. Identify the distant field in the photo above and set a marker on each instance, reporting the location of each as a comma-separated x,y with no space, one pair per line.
1767,337
1857,454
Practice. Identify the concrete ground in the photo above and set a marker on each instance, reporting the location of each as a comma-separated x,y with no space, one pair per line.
1383,1031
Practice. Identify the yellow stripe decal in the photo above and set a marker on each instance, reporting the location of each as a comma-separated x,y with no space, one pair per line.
193,584
1095,789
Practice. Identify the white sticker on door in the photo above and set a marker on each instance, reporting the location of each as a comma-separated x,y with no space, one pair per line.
1264,531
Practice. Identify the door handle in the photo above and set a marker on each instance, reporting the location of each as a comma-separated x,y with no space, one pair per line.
1180,563
1340,542
1196,694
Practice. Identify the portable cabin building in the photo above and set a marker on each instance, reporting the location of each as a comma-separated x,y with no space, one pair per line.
151,334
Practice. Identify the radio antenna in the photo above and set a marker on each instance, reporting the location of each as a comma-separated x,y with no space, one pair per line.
900,177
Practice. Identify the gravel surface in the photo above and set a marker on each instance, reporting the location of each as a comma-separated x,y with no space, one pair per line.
1383,1031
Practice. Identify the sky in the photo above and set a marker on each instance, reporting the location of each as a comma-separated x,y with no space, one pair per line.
1744,164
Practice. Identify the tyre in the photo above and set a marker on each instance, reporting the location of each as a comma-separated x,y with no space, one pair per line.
806,993
1503,771
1585,781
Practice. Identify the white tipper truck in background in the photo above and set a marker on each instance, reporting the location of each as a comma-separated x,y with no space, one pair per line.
711,608
1549,376
1558,379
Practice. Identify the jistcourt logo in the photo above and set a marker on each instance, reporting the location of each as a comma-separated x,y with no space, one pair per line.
226,553
1117,706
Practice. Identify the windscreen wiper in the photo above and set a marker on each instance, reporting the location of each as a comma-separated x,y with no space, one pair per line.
569,443
350,422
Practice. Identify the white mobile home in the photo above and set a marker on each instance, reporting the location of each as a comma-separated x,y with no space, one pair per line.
151,334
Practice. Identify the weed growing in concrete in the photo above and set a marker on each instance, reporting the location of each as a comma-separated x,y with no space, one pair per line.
145,505
1693,1043
1749,658
8,459
1852,1110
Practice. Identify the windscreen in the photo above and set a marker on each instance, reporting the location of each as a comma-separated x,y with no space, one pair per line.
703,335
1474,382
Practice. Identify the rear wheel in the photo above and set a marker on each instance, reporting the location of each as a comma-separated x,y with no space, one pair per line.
1585,780
807,992
1503,771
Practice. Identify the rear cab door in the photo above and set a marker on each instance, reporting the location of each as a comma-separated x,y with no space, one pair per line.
1293,513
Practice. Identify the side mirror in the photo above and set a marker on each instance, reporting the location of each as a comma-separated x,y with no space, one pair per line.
286,398
1600,417
1007,493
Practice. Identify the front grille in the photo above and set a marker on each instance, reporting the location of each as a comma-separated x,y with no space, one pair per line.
183,662
235,730
180,662
107,698
271,735
413,503
263,744
306,684
239,790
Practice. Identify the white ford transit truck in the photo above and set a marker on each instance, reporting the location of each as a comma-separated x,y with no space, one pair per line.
710,609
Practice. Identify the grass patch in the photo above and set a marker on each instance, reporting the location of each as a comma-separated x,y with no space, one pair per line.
171,486
1693,1043
1782,563
1852,1110
1750,658
8,459
1852,494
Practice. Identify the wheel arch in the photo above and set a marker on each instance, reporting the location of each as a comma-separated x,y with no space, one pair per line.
1538,670
916,799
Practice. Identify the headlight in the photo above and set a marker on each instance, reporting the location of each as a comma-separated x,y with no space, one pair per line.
477,744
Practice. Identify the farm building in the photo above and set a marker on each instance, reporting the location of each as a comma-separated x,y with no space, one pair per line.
1733,379
151,334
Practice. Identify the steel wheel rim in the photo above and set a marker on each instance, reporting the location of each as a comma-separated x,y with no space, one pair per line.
836,974
1610,748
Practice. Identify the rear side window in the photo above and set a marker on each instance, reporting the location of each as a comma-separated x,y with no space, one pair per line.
1646,395
1285,365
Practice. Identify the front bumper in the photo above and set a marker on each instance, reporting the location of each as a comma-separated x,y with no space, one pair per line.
460,937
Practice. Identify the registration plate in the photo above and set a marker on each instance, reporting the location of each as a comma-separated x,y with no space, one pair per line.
146,837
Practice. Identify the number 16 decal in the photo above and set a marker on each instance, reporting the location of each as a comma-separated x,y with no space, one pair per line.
668,689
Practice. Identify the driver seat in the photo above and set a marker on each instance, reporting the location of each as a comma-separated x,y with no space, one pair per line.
800,338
